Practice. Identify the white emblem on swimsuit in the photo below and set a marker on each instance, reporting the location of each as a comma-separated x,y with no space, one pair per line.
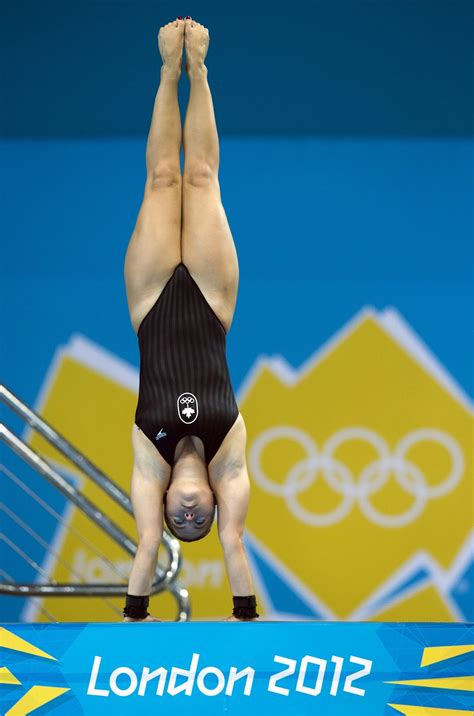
161,434
188,409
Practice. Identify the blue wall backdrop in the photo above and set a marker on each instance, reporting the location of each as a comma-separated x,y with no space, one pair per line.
346,173
321,228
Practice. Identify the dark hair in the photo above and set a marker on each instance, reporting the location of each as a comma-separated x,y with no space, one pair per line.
172,528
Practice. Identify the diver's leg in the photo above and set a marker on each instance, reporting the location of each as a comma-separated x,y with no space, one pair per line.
155,246
207,245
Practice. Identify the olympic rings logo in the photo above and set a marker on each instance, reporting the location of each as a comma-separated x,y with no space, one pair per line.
187,414
187,400
356,489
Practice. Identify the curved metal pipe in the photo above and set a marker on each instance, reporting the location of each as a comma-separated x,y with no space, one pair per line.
114,491
165,579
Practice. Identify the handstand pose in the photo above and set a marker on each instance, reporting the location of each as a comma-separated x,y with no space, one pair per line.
181,277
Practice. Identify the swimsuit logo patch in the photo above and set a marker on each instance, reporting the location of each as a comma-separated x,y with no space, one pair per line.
160,435
188,409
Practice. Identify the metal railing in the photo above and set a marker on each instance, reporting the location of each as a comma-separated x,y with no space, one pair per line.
164,579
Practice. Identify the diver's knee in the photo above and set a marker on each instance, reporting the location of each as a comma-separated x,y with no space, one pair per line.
164,176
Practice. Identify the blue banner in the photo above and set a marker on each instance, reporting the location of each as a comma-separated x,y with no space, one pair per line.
282,668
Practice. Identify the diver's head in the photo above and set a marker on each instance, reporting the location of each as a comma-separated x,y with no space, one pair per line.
189,508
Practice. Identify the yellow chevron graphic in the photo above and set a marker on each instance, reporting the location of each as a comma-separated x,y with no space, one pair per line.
428,711
34,698
6,676
11,641
458,683
434,654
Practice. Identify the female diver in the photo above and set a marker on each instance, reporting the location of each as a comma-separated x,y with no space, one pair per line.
181,276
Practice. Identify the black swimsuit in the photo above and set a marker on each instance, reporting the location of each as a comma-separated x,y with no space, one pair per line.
185,387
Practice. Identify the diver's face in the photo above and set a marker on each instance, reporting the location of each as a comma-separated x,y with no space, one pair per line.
190,509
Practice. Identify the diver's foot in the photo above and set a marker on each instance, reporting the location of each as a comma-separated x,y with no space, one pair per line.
170,44
196,43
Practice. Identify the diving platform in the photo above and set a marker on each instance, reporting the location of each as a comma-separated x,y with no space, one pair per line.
237,668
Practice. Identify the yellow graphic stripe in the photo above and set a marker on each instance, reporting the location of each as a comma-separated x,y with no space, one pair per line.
34,698
6,676
11,641
428,711
433,654
459,683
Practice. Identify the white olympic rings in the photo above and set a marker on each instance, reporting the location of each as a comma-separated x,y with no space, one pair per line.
372,478
186,401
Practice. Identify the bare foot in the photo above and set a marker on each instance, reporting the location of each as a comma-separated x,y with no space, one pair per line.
170,44
149,618
196,43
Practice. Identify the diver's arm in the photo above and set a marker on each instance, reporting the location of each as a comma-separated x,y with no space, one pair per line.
232,506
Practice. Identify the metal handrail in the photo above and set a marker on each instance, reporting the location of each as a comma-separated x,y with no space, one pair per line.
165,579
83,463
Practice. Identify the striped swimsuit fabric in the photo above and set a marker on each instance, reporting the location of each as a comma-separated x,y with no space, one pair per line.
185,386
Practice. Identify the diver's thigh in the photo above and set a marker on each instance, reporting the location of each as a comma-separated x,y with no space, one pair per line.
154,249
208,248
